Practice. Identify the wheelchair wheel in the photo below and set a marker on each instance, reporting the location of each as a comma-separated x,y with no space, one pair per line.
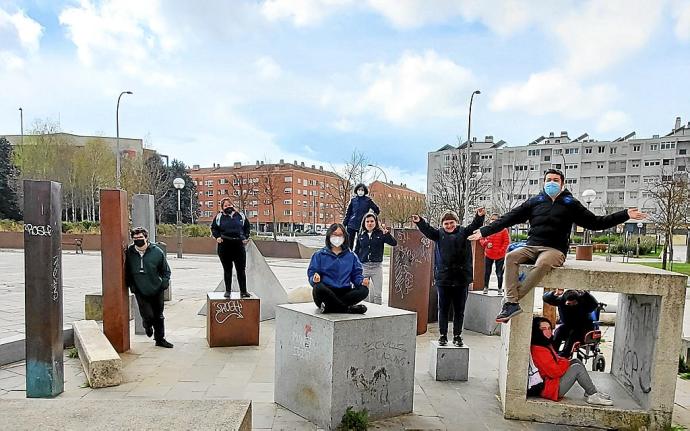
599,363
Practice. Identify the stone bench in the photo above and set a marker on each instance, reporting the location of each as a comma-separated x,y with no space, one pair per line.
644,364
325,363
102,365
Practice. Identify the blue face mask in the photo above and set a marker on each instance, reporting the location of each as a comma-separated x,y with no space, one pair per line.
552,189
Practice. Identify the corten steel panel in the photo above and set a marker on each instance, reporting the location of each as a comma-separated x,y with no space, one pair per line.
114,239
477,266
410,274
43,288
583,252
232,321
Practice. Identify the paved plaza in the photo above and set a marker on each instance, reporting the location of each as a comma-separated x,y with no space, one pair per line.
194,371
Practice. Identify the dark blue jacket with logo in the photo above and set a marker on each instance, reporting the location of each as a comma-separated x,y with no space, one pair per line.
370,249
358,208
336,270
233,226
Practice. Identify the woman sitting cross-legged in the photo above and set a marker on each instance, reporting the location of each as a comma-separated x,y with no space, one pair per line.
560,374
335,274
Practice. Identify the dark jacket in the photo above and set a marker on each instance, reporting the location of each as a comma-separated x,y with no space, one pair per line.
233,226
370,249
453,266
336,270
551,221
575,316
359,207
148,275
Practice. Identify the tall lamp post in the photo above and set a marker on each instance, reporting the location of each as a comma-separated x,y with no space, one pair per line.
588,195
639,232
468,163
385,177
179,185
117,134
21,122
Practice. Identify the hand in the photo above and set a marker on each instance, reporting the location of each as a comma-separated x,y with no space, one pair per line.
489,245
475,236
365,282
316,278
481,212
559,292
245,241
384,229
636,214
219,240
416,218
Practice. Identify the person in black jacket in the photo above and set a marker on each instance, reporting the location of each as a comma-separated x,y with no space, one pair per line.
369,249
147,275
453,272
359,206
231,229
551,215
575,309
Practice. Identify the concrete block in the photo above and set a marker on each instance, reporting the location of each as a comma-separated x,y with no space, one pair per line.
647,339
328,362
13,349
232,321
449,362
101,363
93,306
481,311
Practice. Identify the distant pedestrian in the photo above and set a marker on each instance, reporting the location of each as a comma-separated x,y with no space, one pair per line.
147,275
359,206
495,247
369,249
231,230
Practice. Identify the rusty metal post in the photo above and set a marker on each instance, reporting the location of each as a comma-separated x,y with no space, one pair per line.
114,240
477,266
433,292
43,288
549,311
410,276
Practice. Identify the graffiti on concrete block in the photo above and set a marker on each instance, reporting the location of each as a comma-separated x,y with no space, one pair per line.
55,282
636,369
388,351
36,230
228,309
301,343
373,388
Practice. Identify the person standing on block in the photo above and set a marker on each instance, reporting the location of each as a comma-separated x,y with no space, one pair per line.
369,249
495,247
359,206
453,273
231,228
335,275
147,275
551,215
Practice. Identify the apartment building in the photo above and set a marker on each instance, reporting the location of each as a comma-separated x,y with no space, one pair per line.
396,201
301,196
620,171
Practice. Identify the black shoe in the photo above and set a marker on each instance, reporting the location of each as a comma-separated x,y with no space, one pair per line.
245,295
357,309
457,341
510,310
443,340
149,331
227,294
164,343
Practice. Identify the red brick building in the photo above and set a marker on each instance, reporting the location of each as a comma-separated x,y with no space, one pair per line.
397,202
298,196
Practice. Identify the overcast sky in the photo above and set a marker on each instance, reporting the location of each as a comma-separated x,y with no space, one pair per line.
225,81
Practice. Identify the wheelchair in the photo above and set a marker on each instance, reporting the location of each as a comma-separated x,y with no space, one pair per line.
588,348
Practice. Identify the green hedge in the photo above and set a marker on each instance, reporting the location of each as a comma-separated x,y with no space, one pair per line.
11,226
646,245
188,230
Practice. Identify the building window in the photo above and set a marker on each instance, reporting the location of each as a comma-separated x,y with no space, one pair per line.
668,162
668,145
572,150
588,150
288,179
223,181
636,149
287,202
571,180
557,151
573,166
682,151
533,182
209,183
600,165
601,149
267,212
288,190
209,193
635,163
651,163
533,152
653,147
287,212
613,150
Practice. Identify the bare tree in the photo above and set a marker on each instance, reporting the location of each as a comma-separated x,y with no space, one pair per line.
398,209
353,172
240,188
270,192
511,191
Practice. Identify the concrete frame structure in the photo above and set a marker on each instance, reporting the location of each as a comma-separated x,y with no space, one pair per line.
645,350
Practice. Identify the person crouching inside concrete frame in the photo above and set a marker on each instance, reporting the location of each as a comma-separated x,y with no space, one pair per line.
335,274
369,249
559,374
147,275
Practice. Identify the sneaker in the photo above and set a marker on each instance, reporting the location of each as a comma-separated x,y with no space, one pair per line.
245,295
457,341
510,310
601,394
357,309
443,340
227,294
149,331
597,399
486,291
500,292
164,343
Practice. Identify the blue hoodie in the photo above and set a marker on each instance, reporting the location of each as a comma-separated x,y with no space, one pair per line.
336,270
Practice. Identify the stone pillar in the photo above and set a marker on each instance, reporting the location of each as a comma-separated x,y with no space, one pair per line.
43,288
477,266
410,274
143,214
114,240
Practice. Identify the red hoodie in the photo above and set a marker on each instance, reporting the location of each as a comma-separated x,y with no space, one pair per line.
551,368
499,244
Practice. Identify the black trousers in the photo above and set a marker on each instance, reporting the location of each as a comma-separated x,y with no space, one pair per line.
351,236
338,300
499,271
457,297
151,310
570,335
232,252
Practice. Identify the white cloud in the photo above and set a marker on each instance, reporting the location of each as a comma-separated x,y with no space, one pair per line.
681,11
301,12
267,68
614,121
20,36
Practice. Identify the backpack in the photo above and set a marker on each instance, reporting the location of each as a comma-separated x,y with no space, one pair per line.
535,383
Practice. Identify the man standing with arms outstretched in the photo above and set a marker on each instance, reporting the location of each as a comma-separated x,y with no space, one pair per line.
551,215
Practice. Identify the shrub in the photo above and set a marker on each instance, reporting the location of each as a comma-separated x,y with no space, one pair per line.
518,237
354,420
11,226
646,245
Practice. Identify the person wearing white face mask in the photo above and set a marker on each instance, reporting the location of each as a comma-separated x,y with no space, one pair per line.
335,275
551,215
359,206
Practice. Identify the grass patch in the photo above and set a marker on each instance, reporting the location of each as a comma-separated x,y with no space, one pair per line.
675,427
354,420
72,353
683,268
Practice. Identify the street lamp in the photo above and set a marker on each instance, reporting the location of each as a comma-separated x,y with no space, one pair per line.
639,232
589,196
467,153
117,133
21,122
385,177
179,185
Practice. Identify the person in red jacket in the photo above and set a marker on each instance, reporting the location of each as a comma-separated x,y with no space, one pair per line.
495,247
560,374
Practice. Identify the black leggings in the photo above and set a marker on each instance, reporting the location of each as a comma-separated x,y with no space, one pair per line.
499,271
151,310
338,300
351,236
457,296
231,251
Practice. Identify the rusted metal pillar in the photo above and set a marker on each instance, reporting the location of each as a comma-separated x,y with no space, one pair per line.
411,268
477,266
114,239
43,288
549,311
433,293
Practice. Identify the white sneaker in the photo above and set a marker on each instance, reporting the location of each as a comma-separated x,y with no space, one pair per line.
602,394
598,399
